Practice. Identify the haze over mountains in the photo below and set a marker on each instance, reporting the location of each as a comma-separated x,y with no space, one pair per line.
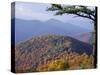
25,29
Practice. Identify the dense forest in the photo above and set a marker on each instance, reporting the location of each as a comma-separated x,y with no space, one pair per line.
52,53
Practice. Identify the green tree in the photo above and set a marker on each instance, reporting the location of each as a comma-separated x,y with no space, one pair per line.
80,11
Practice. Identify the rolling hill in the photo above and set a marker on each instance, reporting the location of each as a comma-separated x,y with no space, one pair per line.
33,53
85,37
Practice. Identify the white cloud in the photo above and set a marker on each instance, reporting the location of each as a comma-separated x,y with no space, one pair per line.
23,12
29,11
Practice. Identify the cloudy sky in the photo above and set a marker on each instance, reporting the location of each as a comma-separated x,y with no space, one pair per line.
37,11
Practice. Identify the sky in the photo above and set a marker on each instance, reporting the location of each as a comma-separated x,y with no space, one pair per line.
37,11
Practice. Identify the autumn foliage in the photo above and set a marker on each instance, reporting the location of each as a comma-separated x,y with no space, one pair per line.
50,53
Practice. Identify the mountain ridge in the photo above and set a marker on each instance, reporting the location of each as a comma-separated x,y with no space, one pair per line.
33,28
42,50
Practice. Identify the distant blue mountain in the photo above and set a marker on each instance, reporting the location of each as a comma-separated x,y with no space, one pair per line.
25,29
85,37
